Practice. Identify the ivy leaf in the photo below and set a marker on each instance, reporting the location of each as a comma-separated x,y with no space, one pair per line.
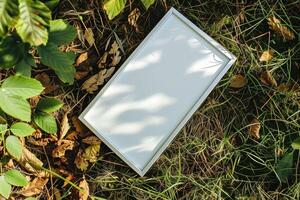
13,146
22,86
60,62
49,105
9,13
284,167
15,106
296,144
46,122
24,66
33,22
114,7
14,177
21,129
61,32
147,3
5,188
11,51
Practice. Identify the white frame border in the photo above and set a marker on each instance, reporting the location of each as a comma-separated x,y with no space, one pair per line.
163,147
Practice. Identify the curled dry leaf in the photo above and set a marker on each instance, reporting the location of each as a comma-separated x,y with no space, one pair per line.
85,192
254,129
266,56
64,128
42,142
80,161
35,187
133,18
89,36
267,79
62,147
90,154
29,161
79,126
102,61
91,140
238,81
282,30
115,52
81,58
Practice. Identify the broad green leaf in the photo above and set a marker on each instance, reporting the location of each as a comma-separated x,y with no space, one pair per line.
24,66
30,198
3,129
21,129
14,177
61,32
114,7
33,22
22,86
147,3
49,105
5,188
11,51
60,62
9,13
15,106
284,167
2,117
13,146
52,4
296,144
46,122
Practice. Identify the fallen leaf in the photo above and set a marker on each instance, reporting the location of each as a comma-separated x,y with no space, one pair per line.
81,74
29,161
90,154
102,61
276,25
267,79
64,128
80,161
79,126
73,135
91,140
254,129
81,58
85,192
89,36
35,187
115,52
69,178
266,56
133,18
40,142
62,147
238,81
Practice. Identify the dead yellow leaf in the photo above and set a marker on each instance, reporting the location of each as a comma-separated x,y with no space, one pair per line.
282,30
90,154
115,52
89,36
79,126
238,81
35,187
62,147
81,58
133,18
91,140
267,79
85,192
102,61
64,127
266,56
254,129
80,161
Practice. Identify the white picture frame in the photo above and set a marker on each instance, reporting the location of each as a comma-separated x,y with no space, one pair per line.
104,115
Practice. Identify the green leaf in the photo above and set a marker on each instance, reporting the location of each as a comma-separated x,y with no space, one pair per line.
147,3
9,13
52,4
49,105
46,122
296,144
22,86
13,146
24,66
30,198
284,167
14,177
61,32
60,62
15,106
5,188
114,7
33,22
21,129
3,129
11,52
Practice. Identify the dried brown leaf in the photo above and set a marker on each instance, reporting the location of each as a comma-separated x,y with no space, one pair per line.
115,52
93,83
62,147
133,18
81,74
266,56
81,58
64,127
91,140
102,61
80,161
89,36
85,192
79,126
90,154
35,187
254,129
282,30
238,81
29,161
267,79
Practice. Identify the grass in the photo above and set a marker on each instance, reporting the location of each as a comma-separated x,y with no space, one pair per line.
213,157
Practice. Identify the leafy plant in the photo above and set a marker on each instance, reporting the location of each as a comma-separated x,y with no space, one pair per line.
11,177
115,7
27,24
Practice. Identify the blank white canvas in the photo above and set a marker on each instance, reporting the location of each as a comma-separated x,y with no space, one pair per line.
157,89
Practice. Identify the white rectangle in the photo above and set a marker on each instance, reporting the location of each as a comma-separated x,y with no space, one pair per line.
158,88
